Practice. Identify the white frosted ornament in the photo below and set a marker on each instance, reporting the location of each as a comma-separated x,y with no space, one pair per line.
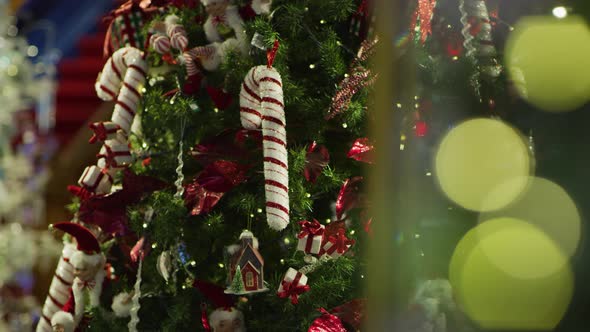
164,265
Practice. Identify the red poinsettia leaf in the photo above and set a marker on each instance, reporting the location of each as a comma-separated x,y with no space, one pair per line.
112,220
222,176
199,200
220,98
215,294
350,196
317,158
361,150
351,313
229,144
109,212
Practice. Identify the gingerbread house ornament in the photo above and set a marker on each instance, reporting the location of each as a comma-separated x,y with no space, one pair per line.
246,266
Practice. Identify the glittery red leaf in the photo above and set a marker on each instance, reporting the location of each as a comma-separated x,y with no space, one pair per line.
326,323
361,150
350,196
351,313
317,158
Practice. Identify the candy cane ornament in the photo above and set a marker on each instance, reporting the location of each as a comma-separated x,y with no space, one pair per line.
176,33
121,79
261,105
59,291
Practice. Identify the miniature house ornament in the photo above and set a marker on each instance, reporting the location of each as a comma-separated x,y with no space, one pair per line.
246,266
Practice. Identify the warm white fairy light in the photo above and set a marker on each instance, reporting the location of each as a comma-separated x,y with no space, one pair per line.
560,12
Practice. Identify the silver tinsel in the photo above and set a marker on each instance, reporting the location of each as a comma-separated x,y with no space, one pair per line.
132,325
479,47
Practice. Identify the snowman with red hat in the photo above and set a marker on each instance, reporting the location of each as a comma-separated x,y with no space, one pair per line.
89,273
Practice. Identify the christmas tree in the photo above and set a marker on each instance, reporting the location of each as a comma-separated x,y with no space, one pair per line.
196,152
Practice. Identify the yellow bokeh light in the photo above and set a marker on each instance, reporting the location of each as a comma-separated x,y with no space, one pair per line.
547,59
477,156
507,274
550,208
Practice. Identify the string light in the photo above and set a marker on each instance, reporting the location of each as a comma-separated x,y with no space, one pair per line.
221,266
560,12
145,225
32,51
216,110
193,263
322,21
455,58
344,125
259,210
308,195
286,240
417,236
282,261
428,174
251,215
402,147
154,246
311,66
328,221
352,232
399,105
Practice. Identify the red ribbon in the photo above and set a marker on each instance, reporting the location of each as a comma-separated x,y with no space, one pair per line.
310,230
293,289
80,192
340,242
221,19
101,132
204,319
110,156
86,284
272,53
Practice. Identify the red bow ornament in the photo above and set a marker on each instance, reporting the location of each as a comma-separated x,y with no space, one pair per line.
310,237
294,284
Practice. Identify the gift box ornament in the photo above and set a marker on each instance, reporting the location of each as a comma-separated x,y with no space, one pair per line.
114,154
96,180
310,237
337,244
294,283
106,130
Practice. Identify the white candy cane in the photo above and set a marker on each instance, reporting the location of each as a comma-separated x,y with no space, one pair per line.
59,291
261,105
176,33
121,79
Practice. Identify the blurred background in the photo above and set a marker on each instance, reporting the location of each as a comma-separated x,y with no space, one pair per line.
51,53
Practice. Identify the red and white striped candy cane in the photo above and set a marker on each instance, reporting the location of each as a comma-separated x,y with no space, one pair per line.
261,105
160,43
176,33
59,291
121,79
190,57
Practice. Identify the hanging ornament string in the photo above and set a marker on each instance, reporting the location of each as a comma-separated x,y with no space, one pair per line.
179,173
135,306
132,325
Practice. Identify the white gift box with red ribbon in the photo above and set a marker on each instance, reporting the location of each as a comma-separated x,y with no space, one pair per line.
310,237
96,180
114,154
337,244
106,130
